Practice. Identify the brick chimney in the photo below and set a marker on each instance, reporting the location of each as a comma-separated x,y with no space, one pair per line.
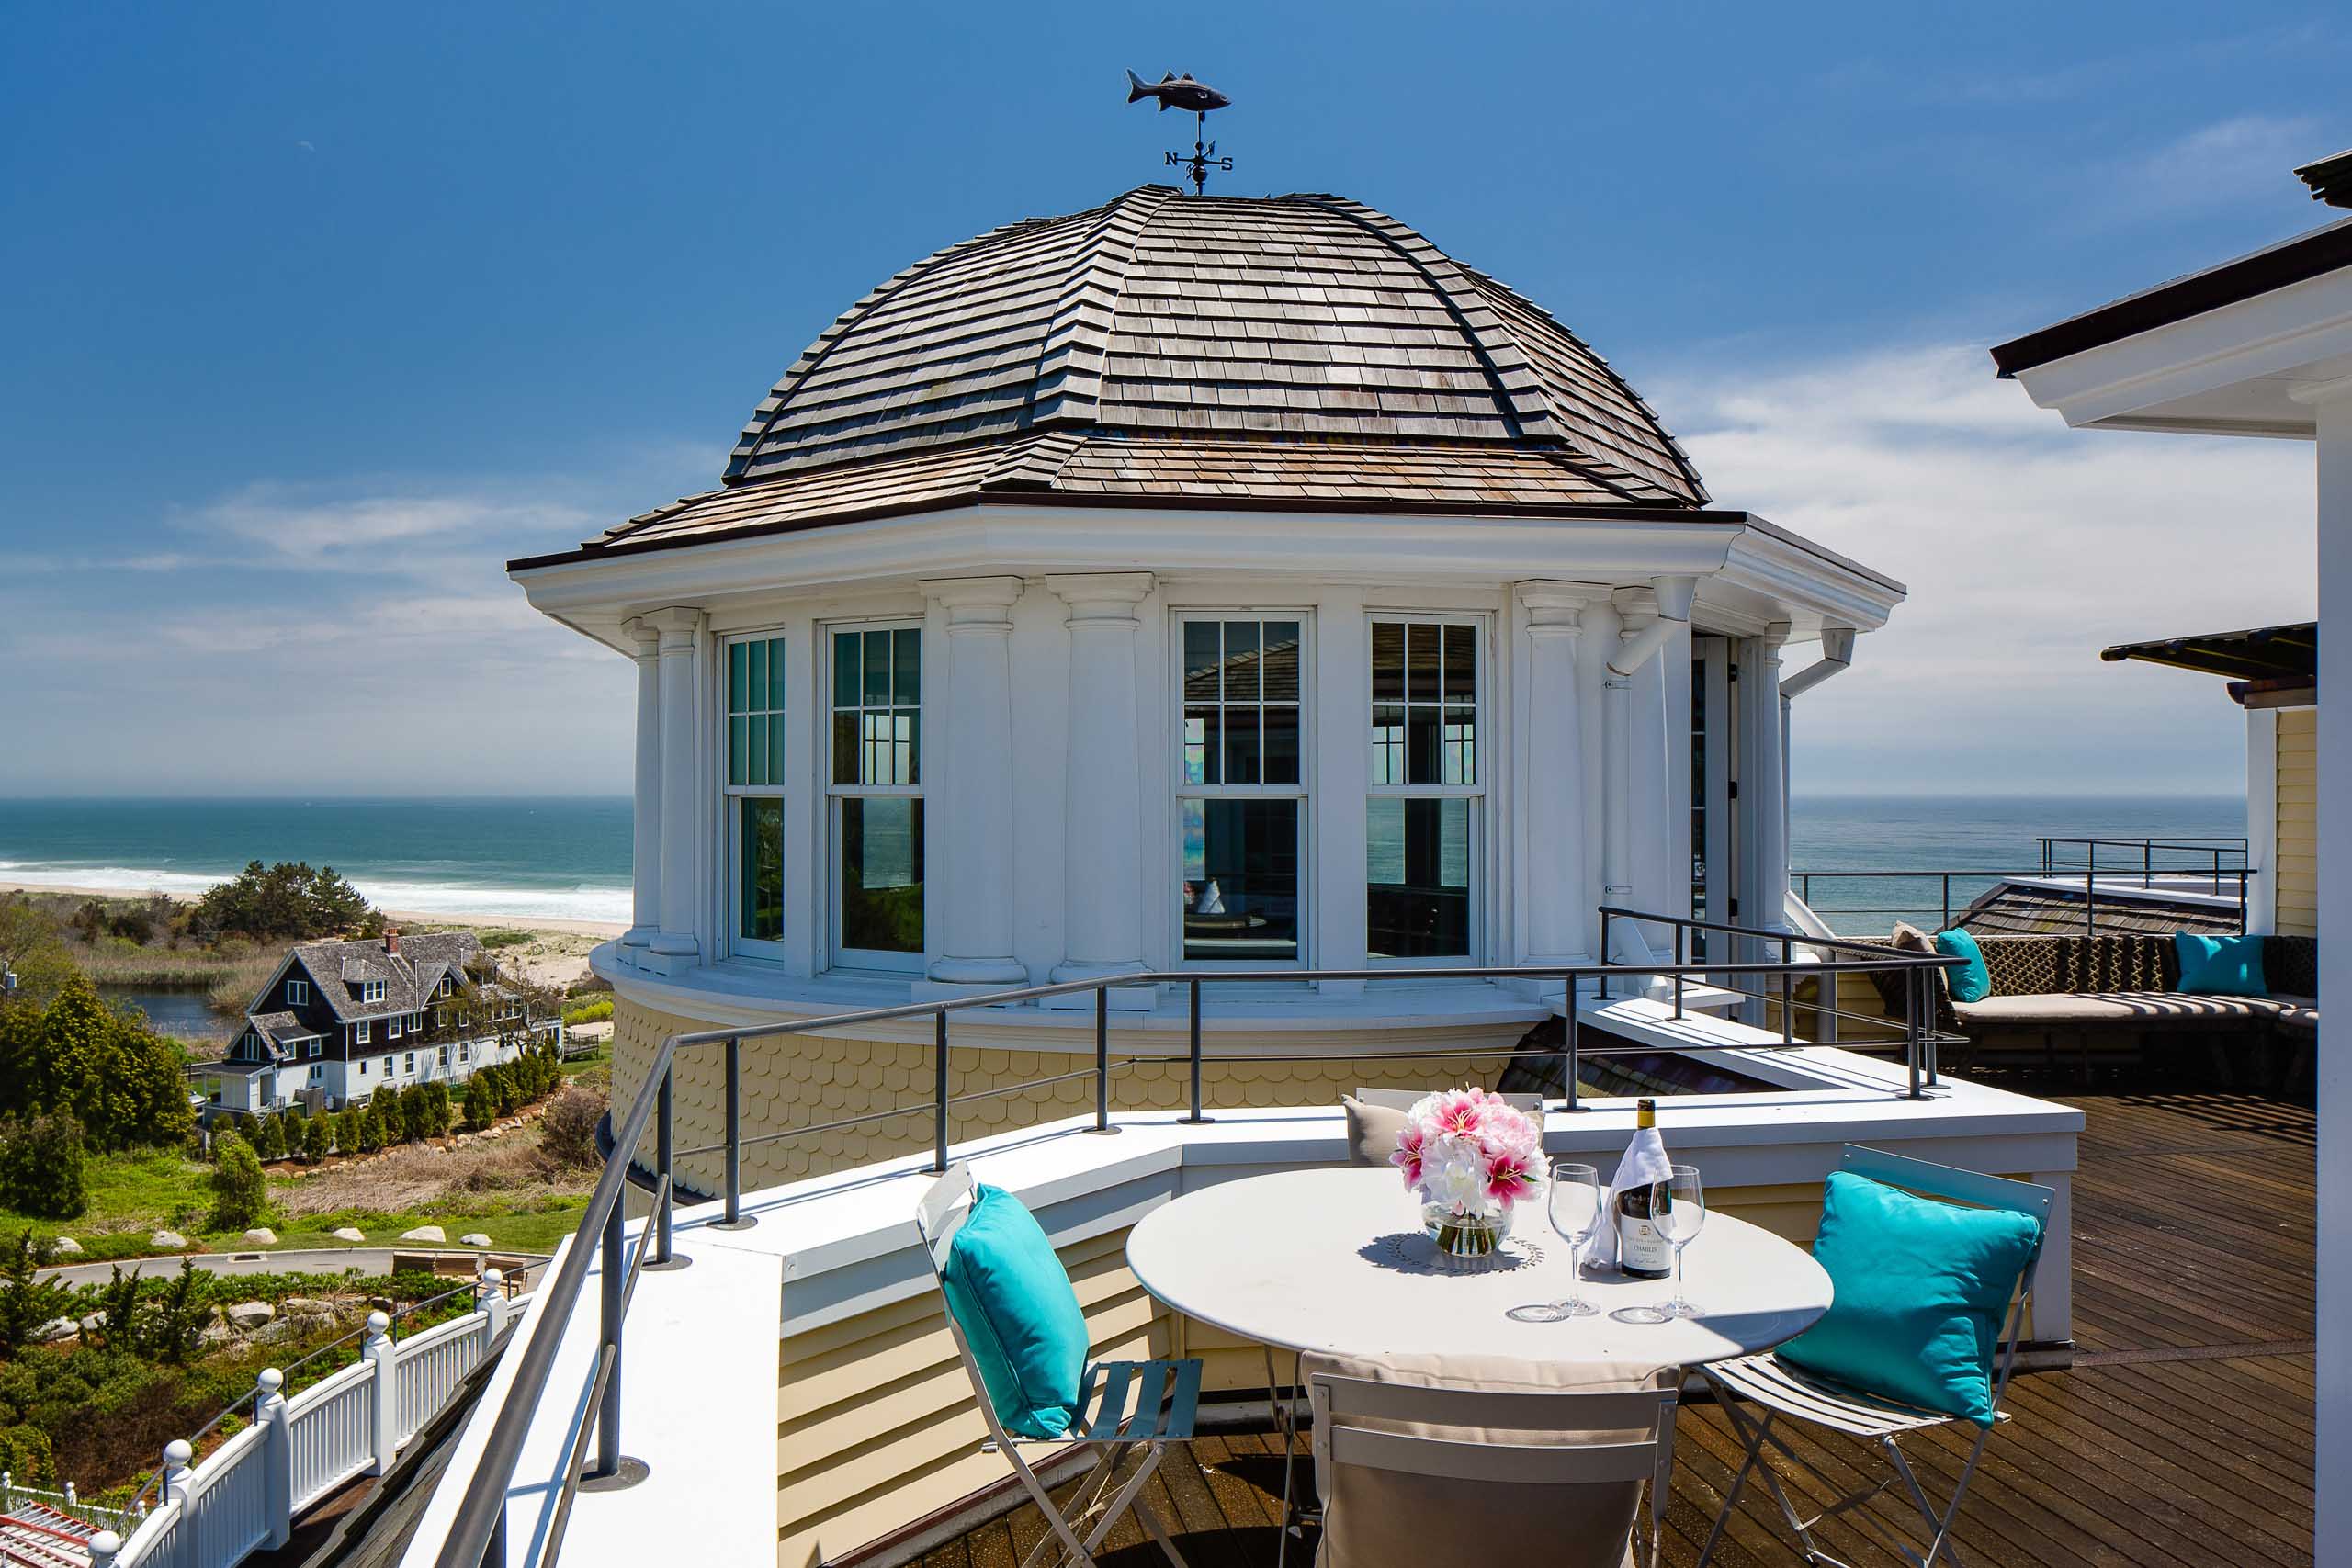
392,940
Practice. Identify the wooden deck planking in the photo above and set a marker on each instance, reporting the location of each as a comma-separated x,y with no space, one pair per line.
2181,1439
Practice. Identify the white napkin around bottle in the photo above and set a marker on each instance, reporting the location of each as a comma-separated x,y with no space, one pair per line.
1644,1165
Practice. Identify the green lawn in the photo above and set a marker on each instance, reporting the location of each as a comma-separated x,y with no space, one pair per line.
133,1195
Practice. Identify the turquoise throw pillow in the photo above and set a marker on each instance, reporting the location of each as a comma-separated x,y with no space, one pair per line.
1971,982
1013,1299
2220,965
1922,1287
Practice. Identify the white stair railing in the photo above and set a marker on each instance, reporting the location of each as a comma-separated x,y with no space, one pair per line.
248,1492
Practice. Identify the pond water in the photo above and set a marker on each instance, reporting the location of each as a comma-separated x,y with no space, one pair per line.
184,1015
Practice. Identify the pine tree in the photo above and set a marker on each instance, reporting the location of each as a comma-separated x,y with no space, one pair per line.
346,1130
269,1138
436,1109
176,1327
371,1122
316,1139
26,1300
481,1103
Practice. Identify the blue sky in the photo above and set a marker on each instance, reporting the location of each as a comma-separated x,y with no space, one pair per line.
311,316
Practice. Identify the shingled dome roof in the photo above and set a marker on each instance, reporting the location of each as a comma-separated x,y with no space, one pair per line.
1292,348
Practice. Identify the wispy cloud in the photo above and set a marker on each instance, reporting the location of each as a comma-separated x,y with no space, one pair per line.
2027,546
316,529
2229,162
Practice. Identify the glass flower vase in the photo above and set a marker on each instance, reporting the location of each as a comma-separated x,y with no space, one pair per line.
1472,1236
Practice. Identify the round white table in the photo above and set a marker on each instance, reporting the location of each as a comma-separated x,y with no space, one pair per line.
1333,1259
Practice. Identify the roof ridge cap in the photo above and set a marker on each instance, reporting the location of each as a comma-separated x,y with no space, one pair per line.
780,396
1525,412
1110,244
1673,443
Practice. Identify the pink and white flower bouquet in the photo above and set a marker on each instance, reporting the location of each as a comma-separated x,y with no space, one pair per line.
1468,1155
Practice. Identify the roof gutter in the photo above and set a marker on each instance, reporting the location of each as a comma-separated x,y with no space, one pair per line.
1674,596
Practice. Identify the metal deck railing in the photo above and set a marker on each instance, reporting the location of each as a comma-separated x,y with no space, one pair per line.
2151,866
478,1531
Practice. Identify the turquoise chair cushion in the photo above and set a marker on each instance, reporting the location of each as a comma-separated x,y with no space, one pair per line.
1013,1299
1922,1287
2220,965
1971,982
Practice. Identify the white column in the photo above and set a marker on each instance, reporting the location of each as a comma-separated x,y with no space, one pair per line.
1555,883
2332,1451
2261,819
645,856
1763,781
1647,793
1103,879
971,858
673,948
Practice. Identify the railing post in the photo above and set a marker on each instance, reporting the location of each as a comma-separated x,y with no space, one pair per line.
492,1297
377,1350
733,1180
1103,1058
661,1158
939,1091
276,1457
1681,934
1788,998
1911,999
608,1331
2090,896
1569,1056
1947,925
105,1547
1192,1048
177,1454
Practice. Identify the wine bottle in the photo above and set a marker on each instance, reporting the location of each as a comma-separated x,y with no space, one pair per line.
1642,1252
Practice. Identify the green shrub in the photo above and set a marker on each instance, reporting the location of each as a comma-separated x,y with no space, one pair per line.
594,1010
41,1166
269,1139
482,1102
436,1109
568,1129
346,1130
25,1455
494,939
26,1300
372,1122
286,900
118,1078
317,1138
240,1192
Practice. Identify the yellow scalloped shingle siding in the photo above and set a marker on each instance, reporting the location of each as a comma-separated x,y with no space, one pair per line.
2298,851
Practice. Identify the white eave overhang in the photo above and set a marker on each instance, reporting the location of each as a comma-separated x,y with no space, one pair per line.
1750,570
2252,367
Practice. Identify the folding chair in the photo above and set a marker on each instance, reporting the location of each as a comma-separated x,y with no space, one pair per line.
1568,1438
1784,1390
1121,1406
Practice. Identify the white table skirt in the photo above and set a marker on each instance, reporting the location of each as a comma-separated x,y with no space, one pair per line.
1333,1259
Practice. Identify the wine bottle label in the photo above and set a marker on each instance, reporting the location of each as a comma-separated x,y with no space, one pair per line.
1640,1249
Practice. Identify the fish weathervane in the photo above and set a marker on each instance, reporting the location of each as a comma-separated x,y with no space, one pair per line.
1176,92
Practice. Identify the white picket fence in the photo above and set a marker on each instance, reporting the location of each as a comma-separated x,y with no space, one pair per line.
249,1491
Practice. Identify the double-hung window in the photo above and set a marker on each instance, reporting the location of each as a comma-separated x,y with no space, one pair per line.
371,990
1423,821
755,719
874,785
392,1027
1241,793
362,1032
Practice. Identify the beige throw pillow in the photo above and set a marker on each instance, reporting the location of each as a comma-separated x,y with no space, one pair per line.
1372,1129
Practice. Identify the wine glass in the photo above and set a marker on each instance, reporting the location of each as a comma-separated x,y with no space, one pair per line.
1683,1211
1573,1204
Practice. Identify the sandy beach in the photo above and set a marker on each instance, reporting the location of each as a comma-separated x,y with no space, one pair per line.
557,955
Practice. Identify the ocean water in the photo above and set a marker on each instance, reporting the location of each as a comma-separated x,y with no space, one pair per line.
569,858
552,857
1975,834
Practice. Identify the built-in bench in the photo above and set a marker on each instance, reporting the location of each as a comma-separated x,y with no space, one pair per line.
2115,999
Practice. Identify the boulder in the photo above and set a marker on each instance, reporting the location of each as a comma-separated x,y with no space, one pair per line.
67,1247
306,1306
94,1323
56,1328
347,1232
475,1238
213,1335
250,1315
424,1233
262,1236
167,1241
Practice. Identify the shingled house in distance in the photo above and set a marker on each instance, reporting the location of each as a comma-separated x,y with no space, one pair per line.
340,1019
